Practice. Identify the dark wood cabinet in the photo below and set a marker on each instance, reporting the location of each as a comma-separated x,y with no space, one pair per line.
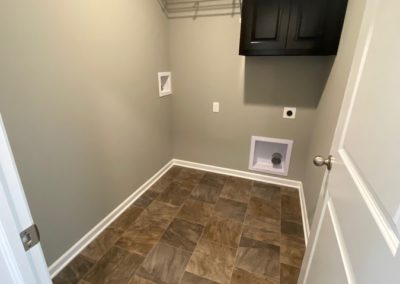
291,27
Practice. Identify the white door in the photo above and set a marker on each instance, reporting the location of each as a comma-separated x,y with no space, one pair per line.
355,235
16,264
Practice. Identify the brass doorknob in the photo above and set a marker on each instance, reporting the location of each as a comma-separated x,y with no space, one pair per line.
321,161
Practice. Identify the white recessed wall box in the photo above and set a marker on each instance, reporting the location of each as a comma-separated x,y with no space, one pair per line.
270,155
289,112
164,83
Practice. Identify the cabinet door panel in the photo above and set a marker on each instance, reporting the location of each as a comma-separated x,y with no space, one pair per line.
315,25
264,26
311,22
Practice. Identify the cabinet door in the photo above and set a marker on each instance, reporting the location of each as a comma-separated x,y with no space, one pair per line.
315,26
264,27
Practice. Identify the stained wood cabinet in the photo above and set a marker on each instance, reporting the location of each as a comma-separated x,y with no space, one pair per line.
291,27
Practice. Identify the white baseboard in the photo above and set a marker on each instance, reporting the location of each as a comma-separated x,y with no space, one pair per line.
70,254
304,214
237,173
258,177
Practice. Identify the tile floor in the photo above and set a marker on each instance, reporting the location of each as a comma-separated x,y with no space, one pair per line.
198,227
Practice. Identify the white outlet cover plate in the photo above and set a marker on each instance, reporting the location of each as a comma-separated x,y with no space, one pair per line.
287,110
215,106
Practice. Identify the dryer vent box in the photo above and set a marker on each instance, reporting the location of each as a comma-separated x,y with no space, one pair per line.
270,155
164,83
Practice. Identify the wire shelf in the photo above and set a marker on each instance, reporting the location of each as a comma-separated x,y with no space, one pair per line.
175,9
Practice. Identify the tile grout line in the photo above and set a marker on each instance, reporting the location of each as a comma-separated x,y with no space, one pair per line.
241,233
202,234
172,219
122,235
161,235
114,245
213,213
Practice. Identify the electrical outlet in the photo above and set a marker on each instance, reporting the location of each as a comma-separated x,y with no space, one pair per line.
289,112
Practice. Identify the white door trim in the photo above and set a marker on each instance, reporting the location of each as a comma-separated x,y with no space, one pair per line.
6,248
15,210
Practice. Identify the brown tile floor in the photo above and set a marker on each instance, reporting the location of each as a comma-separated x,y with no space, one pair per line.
198,227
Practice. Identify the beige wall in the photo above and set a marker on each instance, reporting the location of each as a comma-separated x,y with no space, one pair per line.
78,93
329,106
252,92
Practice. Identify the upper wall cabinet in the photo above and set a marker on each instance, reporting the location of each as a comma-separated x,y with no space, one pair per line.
291,27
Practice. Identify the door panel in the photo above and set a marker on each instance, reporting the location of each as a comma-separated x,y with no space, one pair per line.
266,21
374,149
264,25
315,24
311,22
364,182
367,248
307,24
327,270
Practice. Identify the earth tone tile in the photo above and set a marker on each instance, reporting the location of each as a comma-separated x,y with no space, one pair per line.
158,214
266,191
75,270
165,264
237,189
161,238
174,194
160,185
293,230
212,261
261,235
182,234
173,172
240,276
292,251
223,231
146,198
59,280
125,270
96,249
214,180
189,177
230,209
127,218
117,266
258,258
289,274
291,210
264,214
196,211
139,280
189,278
294,192
187,173
206,193
141,238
